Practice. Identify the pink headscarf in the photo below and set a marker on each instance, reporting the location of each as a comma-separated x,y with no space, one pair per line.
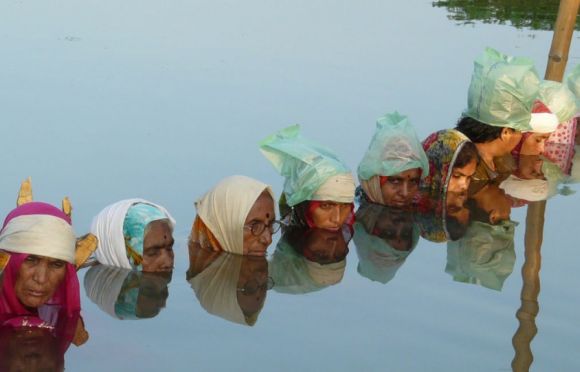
66,299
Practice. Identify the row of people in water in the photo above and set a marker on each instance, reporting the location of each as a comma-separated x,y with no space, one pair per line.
234,287
452,181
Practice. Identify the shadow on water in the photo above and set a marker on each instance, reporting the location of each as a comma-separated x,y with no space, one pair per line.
534,15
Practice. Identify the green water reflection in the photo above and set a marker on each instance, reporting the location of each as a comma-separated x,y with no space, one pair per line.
535,15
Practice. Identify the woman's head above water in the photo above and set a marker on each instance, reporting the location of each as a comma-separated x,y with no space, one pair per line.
318,186
135,234
40,244
237,215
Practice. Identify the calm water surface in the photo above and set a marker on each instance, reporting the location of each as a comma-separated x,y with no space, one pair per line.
104,100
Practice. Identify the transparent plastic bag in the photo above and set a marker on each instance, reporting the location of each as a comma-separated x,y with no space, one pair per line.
394,148
502,90
305,164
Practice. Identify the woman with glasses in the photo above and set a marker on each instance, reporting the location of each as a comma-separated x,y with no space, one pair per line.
237,216
318,187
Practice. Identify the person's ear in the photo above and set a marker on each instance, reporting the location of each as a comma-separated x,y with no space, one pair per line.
506,133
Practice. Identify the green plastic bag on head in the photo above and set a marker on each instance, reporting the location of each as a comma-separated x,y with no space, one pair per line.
394,148
502,90
306,166
559,99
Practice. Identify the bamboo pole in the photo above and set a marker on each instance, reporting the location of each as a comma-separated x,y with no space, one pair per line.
529,309
563,30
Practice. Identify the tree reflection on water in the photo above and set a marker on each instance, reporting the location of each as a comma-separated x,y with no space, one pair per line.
535,15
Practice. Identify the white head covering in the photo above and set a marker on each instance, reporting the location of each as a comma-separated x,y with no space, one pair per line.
542,119
107,226
224,209
39,234
529,190
216,288
338,188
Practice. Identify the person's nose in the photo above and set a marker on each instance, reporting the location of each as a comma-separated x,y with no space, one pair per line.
167,260
405,189
40,274
463,183
335,214
266,237
541,147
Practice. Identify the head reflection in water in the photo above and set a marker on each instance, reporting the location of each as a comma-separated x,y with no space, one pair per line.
237,216
30,349
490,205
384,237
127,294
484,256
308,260
230,286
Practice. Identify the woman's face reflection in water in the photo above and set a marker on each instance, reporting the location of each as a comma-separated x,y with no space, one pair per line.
262,212
30,349
395,227
324,246
252,284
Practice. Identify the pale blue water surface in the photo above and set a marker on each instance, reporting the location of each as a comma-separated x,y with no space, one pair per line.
104,100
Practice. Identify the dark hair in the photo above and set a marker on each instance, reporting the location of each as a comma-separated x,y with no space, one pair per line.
466,155
477,131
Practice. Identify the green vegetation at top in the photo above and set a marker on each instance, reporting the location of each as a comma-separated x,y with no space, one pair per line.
531,14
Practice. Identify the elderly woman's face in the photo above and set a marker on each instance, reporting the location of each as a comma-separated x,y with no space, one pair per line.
158,247
38,279
259,218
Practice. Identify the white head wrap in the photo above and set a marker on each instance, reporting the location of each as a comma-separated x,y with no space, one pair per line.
224,209
39,234
338,188
107,226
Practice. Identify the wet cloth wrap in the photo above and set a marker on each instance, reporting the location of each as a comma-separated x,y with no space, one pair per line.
442,149
223,211
39,229
378,261
216,289
484,256
502,90
394,148
120,229
311,171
